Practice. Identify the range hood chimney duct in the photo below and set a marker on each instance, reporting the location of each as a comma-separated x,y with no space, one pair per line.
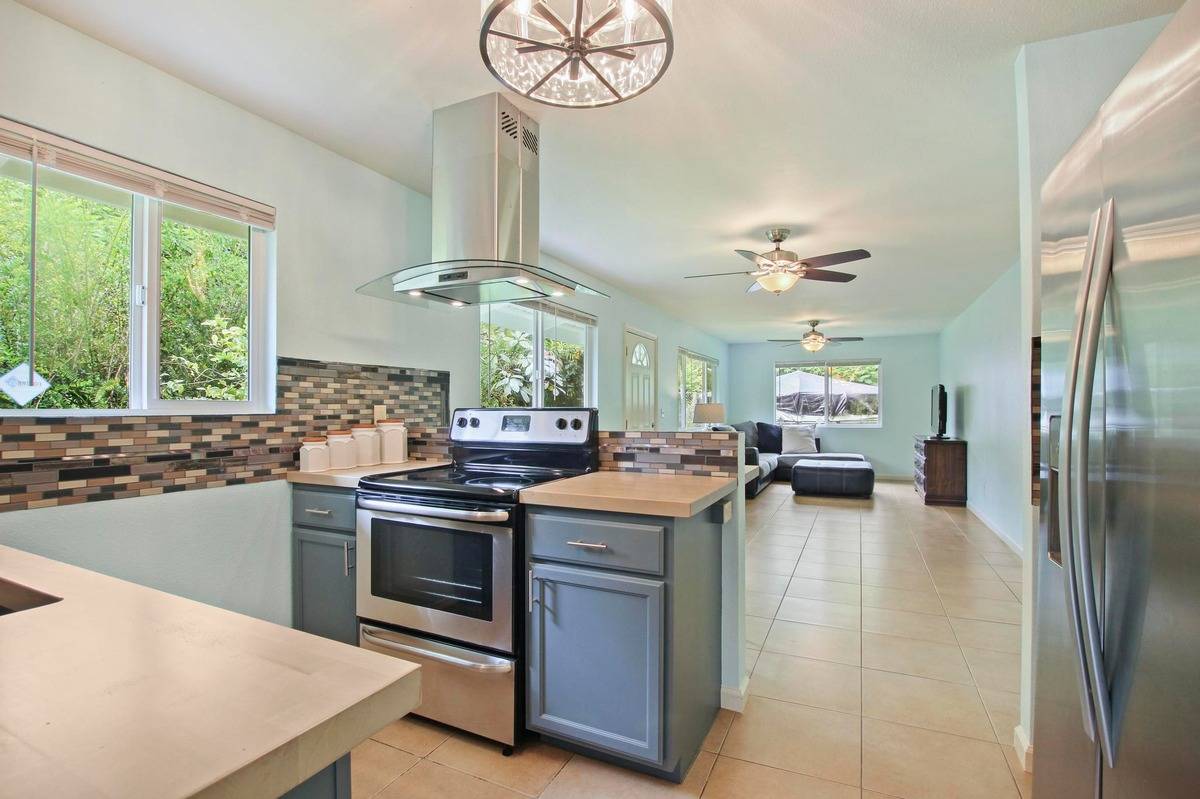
485,213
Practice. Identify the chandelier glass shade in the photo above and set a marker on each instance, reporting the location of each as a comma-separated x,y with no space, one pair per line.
577,53
778,282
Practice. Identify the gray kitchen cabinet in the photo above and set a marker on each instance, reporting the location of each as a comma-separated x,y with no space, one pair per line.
331,782
323,561
323,590
623,634
596,635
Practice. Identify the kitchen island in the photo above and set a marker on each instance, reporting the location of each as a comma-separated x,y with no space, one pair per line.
108,688
624,633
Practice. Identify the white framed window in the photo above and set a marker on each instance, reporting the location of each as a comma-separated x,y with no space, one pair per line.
697,384
149,293
845,393
536,354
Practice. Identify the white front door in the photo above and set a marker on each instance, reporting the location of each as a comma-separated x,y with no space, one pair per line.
641,384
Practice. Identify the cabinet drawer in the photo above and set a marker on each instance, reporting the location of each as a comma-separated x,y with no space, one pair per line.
332,509
597,542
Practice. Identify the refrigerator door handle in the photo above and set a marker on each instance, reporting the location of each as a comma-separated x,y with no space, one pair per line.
1093,648
1066,472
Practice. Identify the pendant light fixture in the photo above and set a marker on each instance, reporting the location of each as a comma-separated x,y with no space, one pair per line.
577,53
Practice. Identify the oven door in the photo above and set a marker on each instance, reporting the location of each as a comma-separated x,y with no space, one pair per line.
446,576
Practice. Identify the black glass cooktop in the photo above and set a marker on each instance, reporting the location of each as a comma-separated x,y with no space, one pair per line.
457,481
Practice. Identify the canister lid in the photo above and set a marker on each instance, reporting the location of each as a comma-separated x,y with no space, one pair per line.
313,440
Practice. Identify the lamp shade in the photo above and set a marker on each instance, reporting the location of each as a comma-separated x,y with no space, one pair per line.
708,413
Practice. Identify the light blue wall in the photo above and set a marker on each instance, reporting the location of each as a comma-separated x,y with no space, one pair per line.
909,368
229,547
623,310
987,381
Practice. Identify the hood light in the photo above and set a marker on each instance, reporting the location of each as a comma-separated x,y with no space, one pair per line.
457,303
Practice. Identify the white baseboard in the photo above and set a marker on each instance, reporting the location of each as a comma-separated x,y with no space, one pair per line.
735,698
1023,747
1016,546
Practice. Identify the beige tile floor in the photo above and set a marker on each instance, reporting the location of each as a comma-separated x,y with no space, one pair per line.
883,642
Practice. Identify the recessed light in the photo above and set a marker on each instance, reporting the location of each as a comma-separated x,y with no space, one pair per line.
522,280
414,293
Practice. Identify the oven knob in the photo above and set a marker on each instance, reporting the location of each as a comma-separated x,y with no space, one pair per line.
474,421
561,424
462,421
576,424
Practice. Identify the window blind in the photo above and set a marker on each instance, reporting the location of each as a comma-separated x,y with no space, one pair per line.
21,141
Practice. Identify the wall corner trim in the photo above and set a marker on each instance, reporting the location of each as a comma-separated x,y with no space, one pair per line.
735,698
1024,748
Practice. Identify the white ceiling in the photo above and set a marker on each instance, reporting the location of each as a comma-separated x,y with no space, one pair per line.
884,124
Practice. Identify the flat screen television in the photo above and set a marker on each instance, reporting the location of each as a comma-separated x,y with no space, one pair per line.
937,411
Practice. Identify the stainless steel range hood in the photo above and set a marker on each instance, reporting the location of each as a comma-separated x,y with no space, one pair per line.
485,214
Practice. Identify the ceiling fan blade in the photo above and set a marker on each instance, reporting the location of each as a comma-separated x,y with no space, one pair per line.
755,257
753,287
842,338
717,274
828,275
784,340
835,258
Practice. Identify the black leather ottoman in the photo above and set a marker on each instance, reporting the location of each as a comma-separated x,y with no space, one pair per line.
833,478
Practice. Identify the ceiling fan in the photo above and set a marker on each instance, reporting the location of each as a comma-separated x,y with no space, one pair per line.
814,340
778,270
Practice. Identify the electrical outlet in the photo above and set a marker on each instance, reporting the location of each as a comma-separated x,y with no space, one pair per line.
380,412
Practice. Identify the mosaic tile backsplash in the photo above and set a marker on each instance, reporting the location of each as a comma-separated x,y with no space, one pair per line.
69,460
712,454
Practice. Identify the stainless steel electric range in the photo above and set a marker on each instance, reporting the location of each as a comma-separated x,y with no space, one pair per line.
439,553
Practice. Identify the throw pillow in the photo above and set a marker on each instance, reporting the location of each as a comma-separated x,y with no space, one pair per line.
799,439
770,438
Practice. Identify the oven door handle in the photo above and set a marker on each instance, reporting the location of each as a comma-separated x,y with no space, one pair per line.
388,506
429,654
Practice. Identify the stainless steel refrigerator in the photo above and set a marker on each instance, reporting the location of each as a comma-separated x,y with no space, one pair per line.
1117,677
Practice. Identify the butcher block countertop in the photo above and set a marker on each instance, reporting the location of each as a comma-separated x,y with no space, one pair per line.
348,478
122,690
681,496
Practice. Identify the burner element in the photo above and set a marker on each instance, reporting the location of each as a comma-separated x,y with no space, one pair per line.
507,483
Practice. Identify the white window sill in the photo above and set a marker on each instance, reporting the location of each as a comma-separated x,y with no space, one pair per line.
191,409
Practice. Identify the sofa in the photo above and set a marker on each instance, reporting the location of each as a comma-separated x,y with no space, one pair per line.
764,445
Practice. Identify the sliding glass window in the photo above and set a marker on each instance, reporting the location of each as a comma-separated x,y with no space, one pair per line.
697,384
131,302
828,392
536,355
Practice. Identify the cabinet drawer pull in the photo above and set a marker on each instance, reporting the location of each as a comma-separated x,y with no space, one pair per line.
319,511
588,545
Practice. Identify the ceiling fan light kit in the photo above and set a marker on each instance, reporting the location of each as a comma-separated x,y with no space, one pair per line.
778,270
814,340
577,53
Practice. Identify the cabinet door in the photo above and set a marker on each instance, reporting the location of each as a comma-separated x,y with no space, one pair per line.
595,659
323,584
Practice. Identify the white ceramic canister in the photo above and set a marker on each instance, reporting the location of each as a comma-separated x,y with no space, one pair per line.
366,444
394,437
314,454
342,454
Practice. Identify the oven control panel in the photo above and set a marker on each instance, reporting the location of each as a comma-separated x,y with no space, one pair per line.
522,425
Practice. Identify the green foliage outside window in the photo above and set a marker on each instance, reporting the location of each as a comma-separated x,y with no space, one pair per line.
506,370
84,281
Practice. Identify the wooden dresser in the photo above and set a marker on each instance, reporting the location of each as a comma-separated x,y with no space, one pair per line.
940,470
